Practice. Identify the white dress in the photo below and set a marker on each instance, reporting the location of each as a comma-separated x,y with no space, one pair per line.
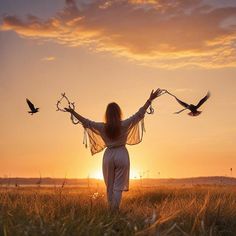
116,164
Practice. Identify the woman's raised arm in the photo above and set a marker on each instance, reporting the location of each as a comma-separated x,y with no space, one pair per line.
139,115
84,121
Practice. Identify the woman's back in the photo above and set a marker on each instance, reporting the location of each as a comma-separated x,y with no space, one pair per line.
131,130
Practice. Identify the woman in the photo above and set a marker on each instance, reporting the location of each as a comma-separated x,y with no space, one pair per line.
114,134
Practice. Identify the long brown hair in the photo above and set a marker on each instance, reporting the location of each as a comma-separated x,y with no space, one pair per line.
113,117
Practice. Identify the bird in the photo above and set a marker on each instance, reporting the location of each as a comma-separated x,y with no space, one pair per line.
32,107
193,108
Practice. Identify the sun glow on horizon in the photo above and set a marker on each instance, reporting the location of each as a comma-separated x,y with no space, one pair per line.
134,174
97,175
186,47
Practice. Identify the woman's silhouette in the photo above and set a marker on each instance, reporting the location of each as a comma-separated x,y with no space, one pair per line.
113,135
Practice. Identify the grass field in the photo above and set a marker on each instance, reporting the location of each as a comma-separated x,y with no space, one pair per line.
209,210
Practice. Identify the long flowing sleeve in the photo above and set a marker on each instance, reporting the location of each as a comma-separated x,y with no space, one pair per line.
93,131
135,125
138,116
132,130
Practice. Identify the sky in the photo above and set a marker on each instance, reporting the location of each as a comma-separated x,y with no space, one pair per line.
99,51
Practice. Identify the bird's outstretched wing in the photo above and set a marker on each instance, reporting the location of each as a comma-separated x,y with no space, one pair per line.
31,105
203,100
182,103
179,101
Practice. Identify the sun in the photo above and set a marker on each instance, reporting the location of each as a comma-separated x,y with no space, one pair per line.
96,175
134,174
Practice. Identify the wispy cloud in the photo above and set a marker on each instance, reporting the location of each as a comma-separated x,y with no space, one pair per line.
183,90
163,33
48,58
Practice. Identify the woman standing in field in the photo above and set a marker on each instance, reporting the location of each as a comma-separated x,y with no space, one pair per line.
114,134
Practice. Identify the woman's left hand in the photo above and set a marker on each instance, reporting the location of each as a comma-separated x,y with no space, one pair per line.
155,94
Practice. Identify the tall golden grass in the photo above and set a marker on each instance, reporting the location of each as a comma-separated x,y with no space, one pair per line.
199,210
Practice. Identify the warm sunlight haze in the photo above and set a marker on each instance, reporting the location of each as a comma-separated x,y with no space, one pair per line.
98,52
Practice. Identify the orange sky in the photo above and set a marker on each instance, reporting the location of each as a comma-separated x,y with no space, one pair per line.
105,51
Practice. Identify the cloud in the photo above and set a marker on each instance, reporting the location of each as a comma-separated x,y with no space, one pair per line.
183,90
51,58
156,33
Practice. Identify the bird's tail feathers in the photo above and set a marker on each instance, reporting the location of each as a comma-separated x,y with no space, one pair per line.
177,112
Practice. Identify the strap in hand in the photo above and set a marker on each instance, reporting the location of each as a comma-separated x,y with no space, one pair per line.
151,110
71,105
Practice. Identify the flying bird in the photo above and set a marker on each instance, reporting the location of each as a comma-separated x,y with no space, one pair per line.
32,107
193,108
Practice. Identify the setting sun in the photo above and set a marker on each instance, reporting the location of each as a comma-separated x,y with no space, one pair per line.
134,174
96,175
